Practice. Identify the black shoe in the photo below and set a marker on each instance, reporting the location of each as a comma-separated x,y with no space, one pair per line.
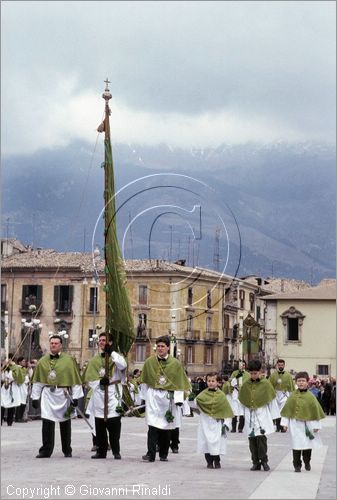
68,455
97,455
217,465
175,450
117,456
233,430
256,467
147,458
41,455
163,459
240,430
297,469
307,466
265,466
210,466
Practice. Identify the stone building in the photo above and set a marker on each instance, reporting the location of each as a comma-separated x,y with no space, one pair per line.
45,291
300,327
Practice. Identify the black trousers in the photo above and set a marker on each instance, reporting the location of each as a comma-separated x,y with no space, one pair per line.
20,410
158,436
210,459
241,423
277,422
10,414
306,454
258,449
174,439
113,426
48,437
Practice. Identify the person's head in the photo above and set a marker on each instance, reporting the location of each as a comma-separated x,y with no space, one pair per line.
163,346
280,364
254,367
211,379
102,341
243,364
21,361
55,344
136,372
302,380
226,378
219,380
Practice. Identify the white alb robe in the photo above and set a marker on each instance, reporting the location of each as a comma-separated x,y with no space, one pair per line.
210,437
10,391
299,440
157,403
54,401
261,418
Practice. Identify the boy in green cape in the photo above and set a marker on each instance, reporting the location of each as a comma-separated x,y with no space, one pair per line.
258,398
215,416
302,415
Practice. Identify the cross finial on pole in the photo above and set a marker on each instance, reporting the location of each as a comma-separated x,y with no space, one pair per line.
107,81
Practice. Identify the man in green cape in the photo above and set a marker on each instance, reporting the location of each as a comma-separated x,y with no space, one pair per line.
163,382
11,379
57,381
237,378
283,384
258,398
20,410
302,415
106,419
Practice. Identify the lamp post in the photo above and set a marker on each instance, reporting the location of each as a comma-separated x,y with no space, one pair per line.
173,339
240,339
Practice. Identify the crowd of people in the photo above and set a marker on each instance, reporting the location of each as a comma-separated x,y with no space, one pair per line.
247,401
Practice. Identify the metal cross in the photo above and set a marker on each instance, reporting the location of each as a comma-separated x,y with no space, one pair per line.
107,81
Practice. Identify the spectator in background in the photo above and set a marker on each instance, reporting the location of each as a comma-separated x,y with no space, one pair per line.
314,388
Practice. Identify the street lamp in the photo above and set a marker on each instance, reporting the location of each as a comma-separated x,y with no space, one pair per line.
173,339
240,339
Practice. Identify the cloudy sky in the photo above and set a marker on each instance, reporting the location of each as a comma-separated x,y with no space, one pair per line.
185,73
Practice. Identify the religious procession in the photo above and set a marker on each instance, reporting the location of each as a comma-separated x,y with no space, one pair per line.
162,393
103,394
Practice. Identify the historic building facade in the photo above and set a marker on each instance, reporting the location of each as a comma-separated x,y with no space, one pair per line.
44,291
300,327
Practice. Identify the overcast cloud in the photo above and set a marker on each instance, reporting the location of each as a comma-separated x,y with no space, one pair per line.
184,73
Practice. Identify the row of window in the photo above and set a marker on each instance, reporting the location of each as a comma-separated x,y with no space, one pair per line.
141,354
63,297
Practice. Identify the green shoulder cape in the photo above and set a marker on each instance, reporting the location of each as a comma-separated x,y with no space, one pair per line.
18,375
65,368
168,374
226,387
302,406
95,369
282,381
254,395
214,404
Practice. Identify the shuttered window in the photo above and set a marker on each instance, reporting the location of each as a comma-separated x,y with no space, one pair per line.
63,298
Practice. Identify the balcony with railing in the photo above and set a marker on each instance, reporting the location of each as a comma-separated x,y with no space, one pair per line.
211,336
142,334
192,335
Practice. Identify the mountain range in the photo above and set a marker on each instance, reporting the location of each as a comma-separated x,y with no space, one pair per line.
258,209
